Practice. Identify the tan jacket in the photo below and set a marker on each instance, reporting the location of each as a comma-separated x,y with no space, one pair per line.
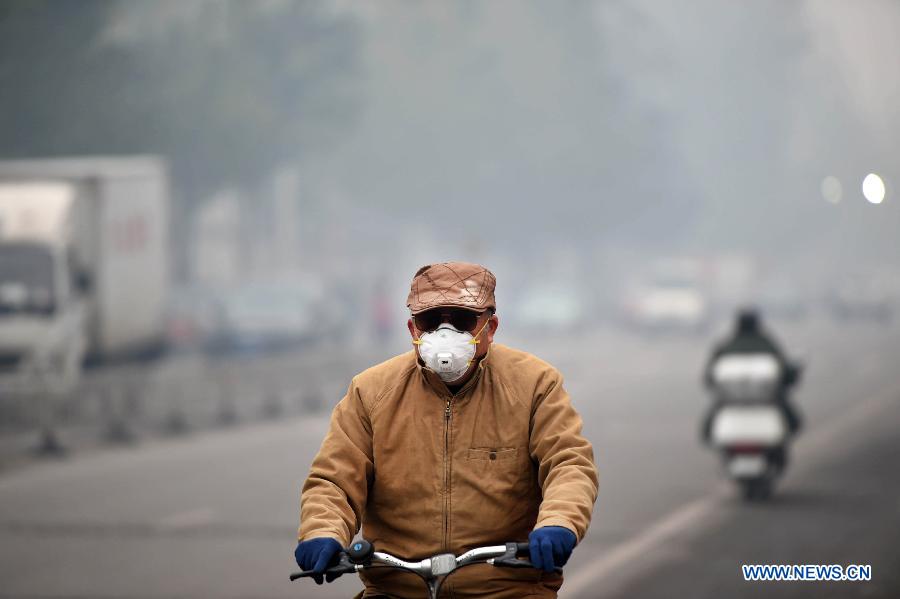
425,472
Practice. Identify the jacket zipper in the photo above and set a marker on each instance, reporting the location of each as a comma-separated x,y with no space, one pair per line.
447,476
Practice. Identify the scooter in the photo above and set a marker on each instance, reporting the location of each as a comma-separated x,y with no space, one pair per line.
434,570
748,427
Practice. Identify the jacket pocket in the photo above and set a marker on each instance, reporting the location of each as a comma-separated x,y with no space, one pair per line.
491,498
501,455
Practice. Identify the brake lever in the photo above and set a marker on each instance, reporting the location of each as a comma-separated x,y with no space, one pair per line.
510,558
344,566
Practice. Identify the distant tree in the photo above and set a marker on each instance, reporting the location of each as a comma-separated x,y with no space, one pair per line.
226,90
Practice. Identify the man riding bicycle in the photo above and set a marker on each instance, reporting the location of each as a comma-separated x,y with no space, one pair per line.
456,444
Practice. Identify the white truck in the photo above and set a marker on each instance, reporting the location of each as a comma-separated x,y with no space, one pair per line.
84,265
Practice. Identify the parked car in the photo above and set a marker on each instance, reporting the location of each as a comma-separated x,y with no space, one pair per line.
548,309
667,304
270,316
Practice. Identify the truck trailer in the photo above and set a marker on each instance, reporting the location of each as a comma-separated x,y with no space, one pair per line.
84,264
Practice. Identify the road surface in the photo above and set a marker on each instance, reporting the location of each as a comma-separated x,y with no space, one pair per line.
214,515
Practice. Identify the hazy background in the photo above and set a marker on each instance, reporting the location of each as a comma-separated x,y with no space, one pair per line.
374,137
702,154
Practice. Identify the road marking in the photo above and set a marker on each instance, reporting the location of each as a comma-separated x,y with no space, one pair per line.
195,518
697,515
827,434
688,516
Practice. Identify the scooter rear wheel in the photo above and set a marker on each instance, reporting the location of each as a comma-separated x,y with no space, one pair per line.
757,489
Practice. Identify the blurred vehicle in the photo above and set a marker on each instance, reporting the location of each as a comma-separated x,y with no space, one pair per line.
751,420
548,309
668,301
270,316
83,264
861,297
749,429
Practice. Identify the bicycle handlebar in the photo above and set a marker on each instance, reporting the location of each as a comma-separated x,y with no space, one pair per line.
361,555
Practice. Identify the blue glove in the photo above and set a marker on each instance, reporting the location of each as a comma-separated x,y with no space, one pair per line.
550,547
317,555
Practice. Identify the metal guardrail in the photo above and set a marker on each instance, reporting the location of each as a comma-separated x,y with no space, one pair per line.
177,394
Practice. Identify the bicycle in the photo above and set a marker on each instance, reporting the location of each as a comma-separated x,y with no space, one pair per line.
433,570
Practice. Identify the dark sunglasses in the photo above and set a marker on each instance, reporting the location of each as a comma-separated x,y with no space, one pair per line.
462,320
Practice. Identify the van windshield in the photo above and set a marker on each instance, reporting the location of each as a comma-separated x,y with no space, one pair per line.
26,278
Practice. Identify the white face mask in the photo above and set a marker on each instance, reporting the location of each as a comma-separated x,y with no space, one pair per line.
447,351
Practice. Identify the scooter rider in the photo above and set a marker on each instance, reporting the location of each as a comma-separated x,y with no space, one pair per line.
750,337
458,443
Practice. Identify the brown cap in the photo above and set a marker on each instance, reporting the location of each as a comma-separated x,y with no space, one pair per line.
459,284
